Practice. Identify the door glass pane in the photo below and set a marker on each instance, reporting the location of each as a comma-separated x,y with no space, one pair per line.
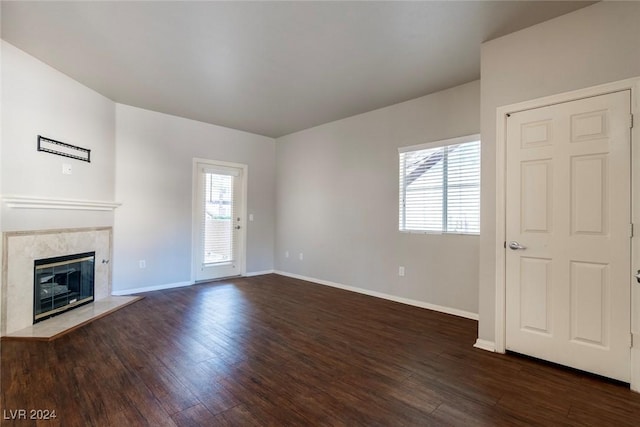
218,218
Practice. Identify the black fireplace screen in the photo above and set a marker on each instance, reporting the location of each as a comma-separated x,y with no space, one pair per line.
62,283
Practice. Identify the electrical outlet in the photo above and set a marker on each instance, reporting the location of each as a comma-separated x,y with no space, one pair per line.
142,263
401,271
301,256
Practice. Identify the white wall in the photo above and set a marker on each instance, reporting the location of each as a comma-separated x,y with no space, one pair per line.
154,155
594,45
337,203
38,100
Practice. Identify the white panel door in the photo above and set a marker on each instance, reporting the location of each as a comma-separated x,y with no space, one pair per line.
568,243
218,222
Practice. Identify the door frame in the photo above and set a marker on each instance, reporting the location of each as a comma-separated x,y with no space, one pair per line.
195,238
502,113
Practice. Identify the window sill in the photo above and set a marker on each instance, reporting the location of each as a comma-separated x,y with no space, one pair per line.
438,233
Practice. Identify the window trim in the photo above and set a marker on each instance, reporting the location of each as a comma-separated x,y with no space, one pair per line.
428,145
440,143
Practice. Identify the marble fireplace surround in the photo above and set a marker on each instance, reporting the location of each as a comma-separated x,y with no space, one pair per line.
22,248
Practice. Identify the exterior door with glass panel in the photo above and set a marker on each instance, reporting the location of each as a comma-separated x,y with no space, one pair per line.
218,222
568,245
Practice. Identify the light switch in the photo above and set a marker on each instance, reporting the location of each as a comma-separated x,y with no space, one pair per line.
250,217
66,169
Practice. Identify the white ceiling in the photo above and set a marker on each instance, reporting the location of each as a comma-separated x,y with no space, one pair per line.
270,68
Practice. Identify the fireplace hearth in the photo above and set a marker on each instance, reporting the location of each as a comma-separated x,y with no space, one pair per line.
62,283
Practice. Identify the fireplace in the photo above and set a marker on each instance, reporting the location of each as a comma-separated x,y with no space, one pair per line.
62,283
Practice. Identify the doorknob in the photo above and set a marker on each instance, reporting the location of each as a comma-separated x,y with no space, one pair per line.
237,227
637,276
513,245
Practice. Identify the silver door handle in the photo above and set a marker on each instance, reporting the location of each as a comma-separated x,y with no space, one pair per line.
513,245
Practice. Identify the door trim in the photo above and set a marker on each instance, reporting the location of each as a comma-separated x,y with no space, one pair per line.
195,238
633,85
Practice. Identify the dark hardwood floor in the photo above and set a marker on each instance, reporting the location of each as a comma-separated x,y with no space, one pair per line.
272,350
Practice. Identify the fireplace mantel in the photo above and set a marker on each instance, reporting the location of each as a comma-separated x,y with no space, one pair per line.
28,202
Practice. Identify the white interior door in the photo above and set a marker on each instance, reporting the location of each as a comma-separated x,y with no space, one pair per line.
218,222
568,234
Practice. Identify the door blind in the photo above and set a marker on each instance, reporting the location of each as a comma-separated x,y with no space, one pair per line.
218,218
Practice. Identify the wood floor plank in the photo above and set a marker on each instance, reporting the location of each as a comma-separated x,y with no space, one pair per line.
197,415
236,416
276,351
168,389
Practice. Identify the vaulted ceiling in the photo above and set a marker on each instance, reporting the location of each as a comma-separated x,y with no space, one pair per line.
270,68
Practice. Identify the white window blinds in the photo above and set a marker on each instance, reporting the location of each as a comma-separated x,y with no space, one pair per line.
440,187
218,218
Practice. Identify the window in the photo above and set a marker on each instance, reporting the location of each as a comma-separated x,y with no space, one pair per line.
218,218
440,187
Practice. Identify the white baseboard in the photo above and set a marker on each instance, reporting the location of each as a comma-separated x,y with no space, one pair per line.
174,285
408,301
151,288
258,273
485,345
